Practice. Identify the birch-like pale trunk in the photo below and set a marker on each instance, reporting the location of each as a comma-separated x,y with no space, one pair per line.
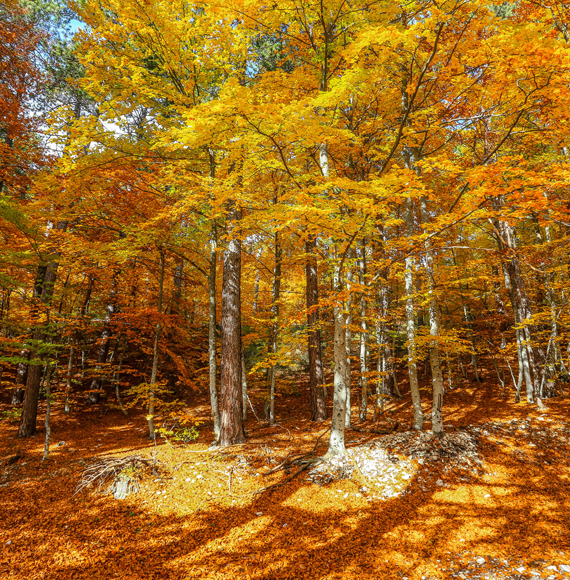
155,355
521,307
336,441
411,326
552,302
243,386
380,368
434,353
384,361
348,308
363,336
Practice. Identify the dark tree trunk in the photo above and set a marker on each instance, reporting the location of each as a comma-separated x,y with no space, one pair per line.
30,406
231,429
316,378
43,288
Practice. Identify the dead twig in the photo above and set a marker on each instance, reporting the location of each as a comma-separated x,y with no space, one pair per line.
113,467
297,459
319,438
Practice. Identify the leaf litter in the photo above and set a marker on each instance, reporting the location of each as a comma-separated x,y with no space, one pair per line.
489,500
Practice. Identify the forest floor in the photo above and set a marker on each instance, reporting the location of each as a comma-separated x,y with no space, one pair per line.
490,501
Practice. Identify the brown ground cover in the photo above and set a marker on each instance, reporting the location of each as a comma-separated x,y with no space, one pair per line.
198,516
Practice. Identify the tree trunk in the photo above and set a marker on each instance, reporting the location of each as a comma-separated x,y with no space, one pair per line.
43,290
68,379
115,381
316,375
363,337
243,386
336,441
434,354
276,294
231,431
411,328
155,354
348,380
212,333
94,395
48,411
522,312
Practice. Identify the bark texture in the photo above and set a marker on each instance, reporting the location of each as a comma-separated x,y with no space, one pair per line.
231,429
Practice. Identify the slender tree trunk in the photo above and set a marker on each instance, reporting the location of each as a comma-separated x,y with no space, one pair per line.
155,354
363,336
212,332
48,411
384,362
115,381
243,385
521,309
380,369
434,354
69,376
553,302
316,375
94,394
348,380
276,295
411,328
231,431
336,441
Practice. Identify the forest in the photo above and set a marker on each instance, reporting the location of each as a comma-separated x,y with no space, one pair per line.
301,267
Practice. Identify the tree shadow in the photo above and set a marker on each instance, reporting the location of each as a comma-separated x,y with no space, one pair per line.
517,509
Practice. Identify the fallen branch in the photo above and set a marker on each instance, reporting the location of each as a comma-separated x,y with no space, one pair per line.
297,459
113,467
